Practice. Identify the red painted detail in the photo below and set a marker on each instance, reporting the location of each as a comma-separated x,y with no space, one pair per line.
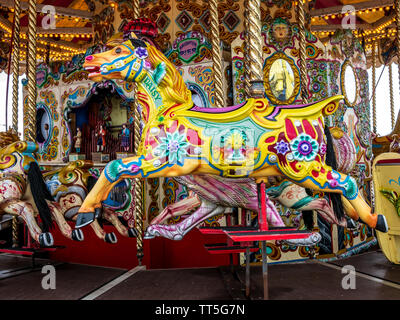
293,165
315,173
230,250
309,129
270,140
182,129
266,236
18,251
329,175
291,131
172,127
388,161
193,137
262,221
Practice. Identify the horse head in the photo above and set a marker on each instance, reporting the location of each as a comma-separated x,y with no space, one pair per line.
126,61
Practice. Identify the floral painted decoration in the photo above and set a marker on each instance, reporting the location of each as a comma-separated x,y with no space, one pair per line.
174,146
304,147
282,147
141,53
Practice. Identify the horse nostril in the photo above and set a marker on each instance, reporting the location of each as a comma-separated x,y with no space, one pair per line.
89,58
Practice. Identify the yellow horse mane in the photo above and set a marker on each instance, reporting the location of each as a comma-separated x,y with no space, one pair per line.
172,85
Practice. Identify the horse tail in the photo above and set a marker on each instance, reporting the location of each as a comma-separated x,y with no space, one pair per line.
40,194
330,160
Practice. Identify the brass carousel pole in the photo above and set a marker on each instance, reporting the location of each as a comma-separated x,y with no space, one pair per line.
255,49
391,95
302,50
216,53
397,10
138,184
15,64
15,72
30,110
246,49
373,87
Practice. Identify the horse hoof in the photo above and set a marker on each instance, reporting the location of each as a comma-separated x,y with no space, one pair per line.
148,236
97,212
77,235
381,224
178,237
111,238
83,219
46,239
351,224
132,233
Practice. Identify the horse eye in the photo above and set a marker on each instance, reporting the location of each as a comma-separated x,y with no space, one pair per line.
118,50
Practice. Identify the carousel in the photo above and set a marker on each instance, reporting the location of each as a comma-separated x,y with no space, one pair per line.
199,150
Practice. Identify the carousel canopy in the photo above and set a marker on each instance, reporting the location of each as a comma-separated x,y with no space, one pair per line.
76,22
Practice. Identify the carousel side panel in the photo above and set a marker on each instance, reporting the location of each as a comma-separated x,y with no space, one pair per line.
386,177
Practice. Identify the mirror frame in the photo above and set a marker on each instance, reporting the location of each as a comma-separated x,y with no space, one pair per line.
267,86
342,83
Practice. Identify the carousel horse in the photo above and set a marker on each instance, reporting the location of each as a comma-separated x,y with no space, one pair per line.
69,186
219,190
24,192
251,140
22,189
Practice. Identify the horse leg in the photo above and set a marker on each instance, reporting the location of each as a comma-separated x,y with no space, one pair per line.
117,170
26,212
350,211
179,208
179,230
62,224
295,197
100,233
345,185
112,217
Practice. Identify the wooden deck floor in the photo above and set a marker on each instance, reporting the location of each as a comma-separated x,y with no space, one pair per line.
376,279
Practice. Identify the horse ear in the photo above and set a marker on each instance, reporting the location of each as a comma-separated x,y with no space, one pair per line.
138,43
133,36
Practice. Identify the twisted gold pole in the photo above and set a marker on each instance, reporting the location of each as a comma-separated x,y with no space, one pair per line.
397,11
254,47
391,95
373,88
14,231
138,184
302,51
30,110
15,64
246,50
216,53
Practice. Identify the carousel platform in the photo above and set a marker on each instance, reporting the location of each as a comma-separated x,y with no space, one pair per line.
375,279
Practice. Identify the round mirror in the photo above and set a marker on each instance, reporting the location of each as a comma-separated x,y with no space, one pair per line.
282,83
349,84
43,124
281,80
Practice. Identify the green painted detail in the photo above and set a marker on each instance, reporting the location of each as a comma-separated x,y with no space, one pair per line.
351,188
151,88
303,202
159,73
112,169
275,192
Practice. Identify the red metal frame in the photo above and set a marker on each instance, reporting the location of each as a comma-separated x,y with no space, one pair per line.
247,235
